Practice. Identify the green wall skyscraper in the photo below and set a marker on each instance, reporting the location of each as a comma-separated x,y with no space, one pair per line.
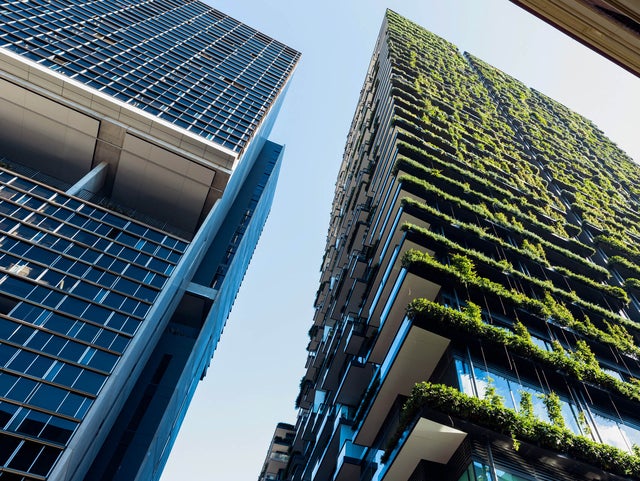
478,312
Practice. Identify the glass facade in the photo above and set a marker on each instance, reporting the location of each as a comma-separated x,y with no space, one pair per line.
107,323
580,416
183,62
76,282
481,472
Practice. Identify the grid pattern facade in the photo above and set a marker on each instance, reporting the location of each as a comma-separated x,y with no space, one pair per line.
479,286
183,62
76,282
107,323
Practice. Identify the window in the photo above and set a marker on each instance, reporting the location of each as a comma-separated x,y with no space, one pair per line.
578,415
480,472
615,431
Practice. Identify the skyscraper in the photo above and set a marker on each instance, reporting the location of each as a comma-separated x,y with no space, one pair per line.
136,177
477,316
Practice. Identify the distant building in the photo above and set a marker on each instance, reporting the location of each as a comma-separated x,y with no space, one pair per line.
610,27
277,458
136,177
478,313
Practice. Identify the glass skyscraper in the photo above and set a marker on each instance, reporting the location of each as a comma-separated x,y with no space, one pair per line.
478,313
136,175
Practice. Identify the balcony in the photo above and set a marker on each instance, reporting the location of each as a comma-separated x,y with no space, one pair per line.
406,288
411,358
355,337
427,440
334,363
322,470
392,234
348,463
357,377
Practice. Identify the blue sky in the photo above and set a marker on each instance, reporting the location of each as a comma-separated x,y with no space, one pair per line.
253,380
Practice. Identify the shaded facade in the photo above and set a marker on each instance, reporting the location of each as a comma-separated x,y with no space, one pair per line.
477,316
136,178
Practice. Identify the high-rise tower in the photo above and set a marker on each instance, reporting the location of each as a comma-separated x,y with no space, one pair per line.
136,177
478,312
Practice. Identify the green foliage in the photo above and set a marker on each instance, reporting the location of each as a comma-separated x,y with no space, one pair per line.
536,249
576,150
617,293
616,246
627,267
548,308
492,396
523,427
423,188
414,59
526,407
584,426
305,384
632,283
584,354
580,364
558,311
623,340
473,313
465,267
465,167
521,331
503,264
515,443
554,409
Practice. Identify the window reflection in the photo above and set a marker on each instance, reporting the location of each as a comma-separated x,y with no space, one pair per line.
480,472
579,417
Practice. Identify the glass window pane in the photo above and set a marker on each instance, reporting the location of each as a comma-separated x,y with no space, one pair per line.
21,389
22,360
570,415
89,381
58,430
48,397
6,383
25,456
504,476
632,434
609,431
73,351
465,382
103,361
481,380
45,461
33,423
67,375
482,472
503,390
87,332
7,411
8,445
6,353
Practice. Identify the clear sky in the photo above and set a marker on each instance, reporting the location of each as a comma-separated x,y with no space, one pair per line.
253,380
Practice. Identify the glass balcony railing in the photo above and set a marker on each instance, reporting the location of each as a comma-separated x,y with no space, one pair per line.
282,457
